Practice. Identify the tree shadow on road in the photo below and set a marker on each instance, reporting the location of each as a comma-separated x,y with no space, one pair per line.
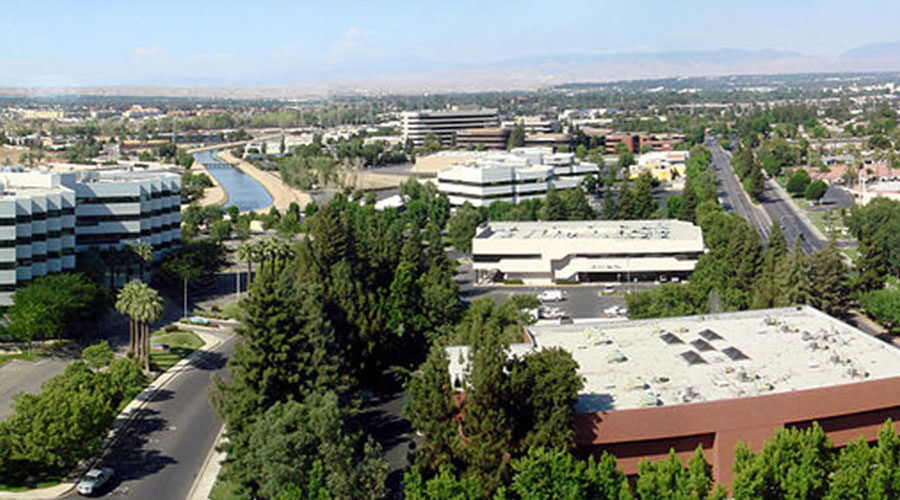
130,457
210,361
160,395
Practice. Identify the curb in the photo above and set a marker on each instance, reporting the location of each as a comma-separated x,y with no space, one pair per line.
209,464
126,416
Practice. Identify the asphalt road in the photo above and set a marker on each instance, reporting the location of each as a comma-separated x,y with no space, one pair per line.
779,210
161,453
731,193
773,201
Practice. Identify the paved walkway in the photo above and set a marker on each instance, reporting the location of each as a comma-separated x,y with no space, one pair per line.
282,194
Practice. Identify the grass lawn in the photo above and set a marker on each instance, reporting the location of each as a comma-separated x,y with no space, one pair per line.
224,490
231,310
180,342
38,485
819,218
25,356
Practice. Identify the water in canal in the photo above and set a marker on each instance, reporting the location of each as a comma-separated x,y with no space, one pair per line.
242,189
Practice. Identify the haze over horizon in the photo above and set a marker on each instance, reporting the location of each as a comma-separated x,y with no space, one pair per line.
423,45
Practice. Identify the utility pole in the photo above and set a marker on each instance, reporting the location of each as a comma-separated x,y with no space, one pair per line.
185,297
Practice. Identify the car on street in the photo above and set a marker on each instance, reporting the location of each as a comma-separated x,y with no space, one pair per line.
93,482
609,288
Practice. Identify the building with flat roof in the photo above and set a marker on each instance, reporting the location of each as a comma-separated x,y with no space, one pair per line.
47,217
665,166
532,124
37,234
445,123
482,138
548,140
716,380
114,207
521,174
596,250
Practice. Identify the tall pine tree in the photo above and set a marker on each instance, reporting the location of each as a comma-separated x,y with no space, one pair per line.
831,292
794,286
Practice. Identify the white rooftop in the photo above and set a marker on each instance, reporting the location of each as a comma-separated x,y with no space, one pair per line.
593,229
640,363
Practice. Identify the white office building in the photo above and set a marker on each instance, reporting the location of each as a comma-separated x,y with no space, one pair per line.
47,217
114,207
521,174
444,124
578,251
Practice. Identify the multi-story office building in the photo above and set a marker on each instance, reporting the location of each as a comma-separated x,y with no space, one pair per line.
532,124
482,138
523,173
37,233
116,207
47,217
445,124
567,251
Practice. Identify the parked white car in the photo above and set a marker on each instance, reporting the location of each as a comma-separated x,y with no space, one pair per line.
551,296
93,482
552,313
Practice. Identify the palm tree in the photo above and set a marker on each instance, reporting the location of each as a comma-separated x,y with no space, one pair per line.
110,258
143,306
149,309
125,305
273,250
183,267
143,251
249,253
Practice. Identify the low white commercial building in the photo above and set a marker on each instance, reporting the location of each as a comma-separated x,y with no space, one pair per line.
521,174
47,217
665,166
578,251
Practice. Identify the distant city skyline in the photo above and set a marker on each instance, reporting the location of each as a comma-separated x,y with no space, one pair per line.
95,43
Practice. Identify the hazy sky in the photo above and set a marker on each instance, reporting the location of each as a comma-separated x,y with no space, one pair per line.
92,42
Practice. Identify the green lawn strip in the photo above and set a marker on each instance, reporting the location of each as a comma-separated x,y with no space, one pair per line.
231,310
819,218
25,356
181,343
38,485
225,490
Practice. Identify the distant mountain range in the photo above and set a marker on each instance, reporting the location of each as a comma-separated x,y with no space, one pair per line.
416,75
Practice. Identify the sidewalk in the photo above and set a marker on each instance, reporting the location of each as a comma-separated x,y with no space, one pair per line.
209,473
120,424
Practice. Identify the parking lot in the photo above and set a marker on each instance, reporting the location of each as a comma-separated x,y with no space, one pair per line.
580,301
